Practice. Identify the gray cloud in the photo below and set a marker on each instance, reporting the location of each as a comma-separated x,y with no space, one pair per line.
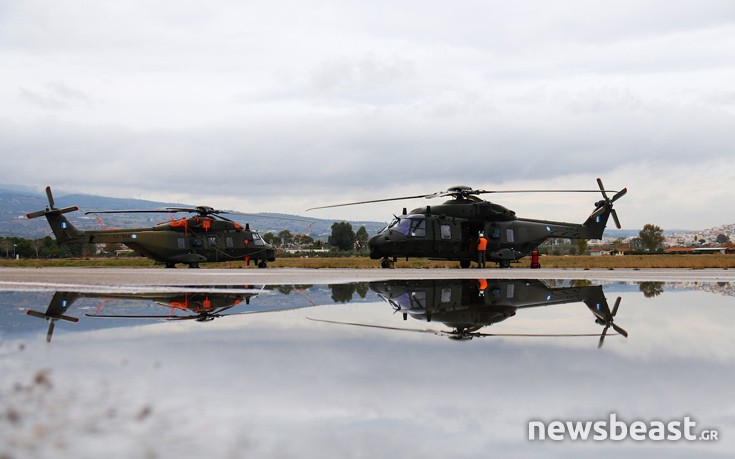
284,106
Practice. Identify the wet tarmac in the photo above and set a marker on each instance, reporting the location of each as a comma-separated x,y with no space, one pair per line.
360,363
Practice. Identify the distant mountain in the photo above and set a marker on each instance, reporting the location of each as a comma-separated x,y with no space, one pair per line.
14,205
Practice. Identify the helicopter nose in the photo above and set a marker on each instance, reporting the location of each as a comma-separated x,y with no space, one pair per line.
377,246
375,241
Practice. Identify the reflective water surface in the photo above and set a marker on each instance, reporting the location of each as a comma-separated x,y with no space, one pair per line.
420,368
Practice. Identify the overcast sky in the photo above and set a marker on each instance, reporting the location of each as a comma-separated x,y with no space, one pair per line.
281,106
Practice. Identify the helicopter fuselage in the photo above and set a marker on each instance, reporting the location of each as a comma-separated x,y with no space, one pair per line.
450,232
469,303
190,240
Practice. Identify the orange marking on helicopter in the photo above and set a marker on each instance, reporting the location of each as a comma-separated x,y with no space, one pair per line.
100,222
100,306
183,222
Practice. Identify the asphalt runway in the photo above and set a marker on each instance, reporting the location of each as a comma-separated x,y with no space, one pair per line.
35,278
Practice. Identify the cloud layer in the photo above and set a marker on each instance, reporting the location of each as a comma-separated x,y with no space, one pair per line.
279,107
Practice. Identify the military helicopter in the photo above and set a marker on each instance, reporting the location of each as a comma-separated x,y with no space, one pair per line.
206,236
198,305
468,305
201,304
450,231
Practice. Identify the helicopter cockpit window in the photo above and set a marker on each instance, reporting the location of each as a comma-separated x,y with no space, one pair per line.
403,226
418,228
418,300
411,227
257,239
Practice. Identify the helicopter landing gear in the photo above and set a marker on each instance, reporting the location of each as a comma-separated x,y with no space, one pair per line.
262,264
170,265
504,264
386,264
193,265
464,264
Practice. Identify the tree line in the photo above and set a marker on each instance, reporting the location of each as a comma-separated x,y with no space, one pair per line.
45,247
342,238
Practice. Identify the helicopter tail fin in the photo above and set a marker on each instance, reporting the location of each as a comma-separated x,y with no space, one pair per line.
597,221
65,232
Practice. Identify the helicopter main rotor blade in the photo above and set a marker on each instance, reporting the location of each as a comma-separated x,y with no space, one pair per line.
161,211
453,193
376,326
372,201
218,213
273,217
450,333
540,191
119,316
532,335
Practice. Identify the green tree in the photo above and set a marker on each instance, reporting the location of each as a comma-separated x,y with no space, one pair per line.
581,246
651,237
286,237
651,289
304,240
268,237
722,239
342,293
342,236
362,237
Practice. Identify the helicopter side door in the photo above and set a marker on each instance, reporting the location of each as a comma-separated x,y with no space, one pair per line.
446,238
470,231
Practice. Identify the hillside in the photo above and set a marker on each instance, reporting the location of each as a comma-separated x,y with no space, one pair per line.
14,205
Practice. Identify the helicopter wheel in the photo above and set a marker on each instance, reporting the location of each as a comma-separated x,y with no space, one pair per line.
504,264
193,265
262,265
464,264
385,263
170,265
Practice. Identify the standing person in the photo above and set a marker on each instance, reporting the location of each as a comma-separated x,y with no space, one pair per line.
481,247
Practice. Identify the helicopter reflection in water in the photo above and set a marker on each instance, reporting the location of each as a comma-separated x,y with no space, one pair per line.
202,304
468,305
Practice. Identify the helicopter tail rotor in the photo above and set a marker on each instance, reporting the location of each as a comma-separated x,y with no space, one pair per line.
51,208
606,204
609,322
64,231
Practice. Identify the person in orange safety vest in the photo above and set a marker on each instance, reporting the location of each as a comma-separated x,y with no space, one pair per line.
481,247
